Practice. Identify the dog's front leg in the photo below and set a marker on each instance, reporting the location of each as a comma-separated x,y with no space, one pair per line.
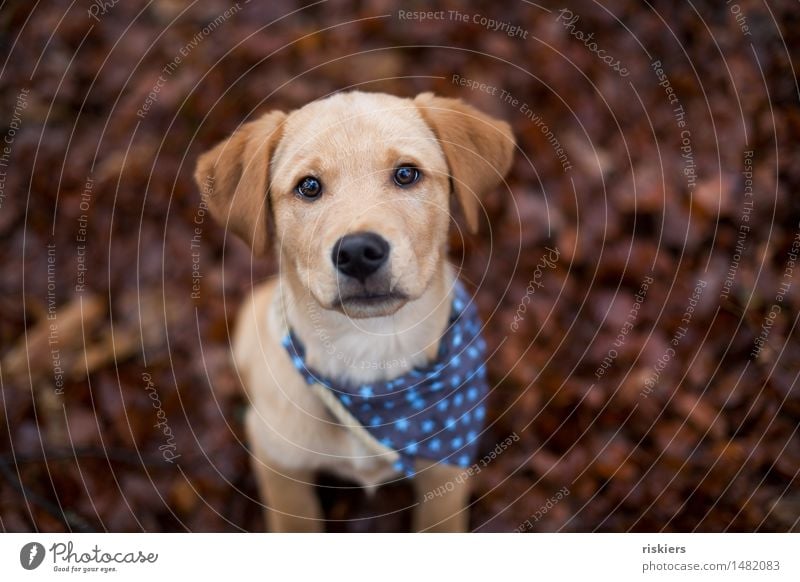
290,500
442,494
291,503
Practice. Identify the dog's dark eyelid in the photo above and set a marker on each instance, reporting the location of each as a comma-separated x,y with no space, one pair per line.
309,188
406,175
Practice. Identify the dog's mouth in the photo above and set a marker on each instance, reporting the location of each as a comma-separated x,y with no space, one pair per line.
367,300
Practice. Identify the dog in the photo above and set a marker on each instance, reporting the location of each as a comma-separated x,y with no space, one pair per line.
362,357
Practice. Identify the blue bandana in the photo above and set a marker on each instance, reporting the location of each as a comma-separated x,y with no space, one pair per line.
436,412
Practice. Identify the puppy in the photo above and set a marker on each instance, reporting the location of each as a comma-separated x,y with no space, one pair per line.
364,356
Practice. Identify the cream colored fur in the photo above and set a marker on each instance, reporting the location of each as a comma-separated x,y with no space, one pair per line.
351,142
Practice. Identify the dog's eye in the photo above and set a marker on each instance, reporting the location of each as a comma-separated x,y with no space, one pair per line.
406,175
309,187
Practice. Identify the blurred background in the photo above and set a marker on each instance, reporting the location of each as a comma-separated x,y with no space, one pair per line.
639,283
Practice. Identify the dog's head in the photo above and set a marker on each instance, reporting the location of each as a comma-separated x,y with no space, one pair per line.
355,190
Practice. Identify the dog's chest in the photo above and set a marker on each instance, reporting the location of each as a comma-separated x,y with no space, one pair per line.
358,358
434,411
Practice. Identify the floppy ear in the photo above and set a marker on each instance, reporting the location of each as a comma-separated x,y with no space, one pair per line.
234,177
478,148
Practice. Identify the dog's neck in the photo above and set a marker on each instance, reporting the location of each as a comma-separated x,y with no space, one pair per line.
371,349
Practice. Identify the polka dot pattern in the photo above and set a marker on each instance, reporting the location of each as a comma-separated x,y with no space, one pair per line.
436,412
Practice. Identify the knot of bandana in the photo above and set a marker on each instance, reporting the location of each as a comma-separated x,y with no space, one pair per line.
436,412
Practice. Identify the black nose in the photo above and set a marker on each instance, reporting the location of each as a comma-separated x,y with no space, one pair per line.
359,255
